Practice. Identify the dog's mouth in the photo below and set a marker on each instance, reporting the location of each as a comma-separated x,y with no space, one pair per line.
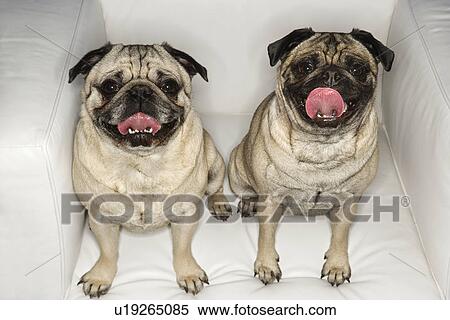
139,123
325,104
141,130
326,107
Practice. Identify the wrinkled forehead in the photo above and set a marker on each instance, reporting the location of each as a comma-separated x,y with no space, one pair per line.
140,62
333,47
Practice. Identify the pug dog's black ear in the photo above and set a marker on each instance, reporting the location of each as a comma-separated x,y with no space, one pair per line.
381,53
278,49
88,61
189,64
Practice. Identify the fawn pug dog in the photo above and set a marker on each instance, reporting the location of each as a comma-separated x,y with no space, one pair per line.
314,137
138,134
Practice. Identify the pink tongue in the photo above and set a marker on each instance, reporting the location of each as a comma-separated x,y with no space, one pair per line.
326,101
139,121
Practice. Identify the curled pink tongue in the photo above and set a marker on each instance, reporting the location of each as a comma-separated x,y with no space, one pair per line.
140,122
324,102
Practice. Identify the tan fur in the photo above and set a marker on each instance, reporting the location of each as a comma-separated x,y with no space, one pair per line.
279,156
188,163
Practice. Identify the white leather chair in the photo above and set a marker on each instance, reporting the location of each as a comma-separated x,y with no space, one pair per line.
42,257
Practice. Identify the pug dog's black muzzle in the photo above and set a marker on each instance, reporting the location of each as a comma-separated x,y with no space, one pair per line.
355,95
140,99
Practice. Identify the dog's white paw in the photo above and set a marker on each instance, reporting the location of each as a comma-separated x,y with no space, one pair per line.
267,269
191,279
98,280
336,268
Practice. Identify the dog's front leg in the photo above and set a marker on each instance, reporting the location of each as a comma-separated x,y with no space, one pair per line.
217,202
190,276
337,267
98,280
266,264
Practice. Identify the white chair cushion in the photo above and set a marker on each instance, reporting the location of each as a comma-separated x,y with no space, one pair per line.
386,257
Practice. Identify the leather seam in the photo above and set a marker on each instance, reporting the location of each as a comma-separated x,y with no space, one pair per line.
390,24
381,115
100,3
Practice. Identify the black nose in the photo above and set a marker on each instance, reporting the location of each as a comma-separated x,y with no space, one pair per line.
140,92
331,78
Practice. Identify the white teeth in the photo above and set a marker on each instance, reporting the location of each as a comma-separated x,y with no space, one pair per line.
131,131
320,115
327,117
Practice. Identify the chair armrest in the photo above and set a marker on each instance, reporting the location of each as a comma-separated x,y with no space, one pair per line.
89,34
37,121
416,115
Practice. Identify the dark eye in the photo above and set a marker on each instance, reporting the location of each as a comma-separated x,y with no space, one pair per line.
307,67
357,69
109,87
170,87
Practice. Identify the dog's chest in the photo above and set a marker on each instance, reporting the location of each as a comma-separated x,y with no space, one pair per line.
156,182
145,177
303,183
322,172
147,181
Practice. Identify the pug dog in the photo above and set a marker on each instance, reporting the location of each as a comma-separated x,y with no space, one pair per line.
139,134
313,138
